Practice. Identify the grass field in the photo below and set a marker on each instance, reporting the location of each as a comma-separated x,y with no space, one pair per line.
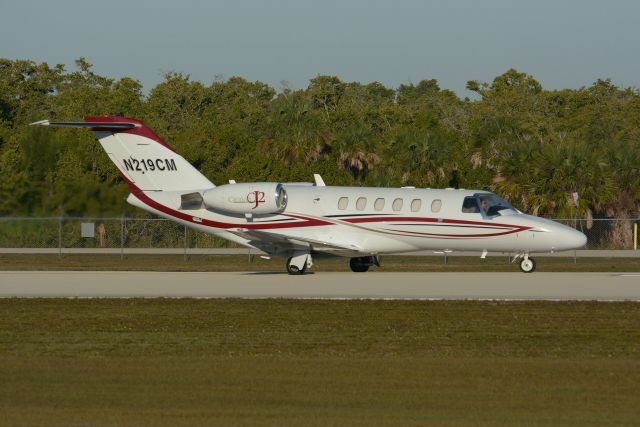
283,362
242,263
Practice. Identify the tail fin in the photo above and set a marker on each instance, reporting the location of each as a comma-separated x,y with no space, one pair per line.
142,157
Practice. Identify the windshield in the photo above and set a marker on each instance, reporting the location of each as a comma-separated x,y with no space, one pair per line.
488,204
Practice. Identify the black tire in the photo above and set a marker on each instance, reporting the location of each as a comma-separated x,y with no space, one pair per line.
528,265
357,266
293,270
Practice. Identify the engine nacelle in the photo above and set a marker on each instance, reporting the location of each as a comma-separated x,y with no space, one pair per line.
247,198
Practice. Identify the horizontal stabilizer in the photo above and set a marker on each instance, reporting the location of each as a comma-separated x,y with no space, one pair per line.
90,125
143,159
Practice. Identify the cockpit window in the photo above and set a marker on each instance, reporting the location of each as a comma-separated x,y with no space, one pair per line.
488,204
491,205
470,205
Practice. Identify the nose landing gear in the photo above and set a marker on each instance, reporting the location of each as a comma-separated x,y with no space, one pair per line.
527,265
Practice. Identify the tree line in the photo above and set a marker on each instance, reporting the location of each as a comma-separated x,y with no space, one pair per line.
534,147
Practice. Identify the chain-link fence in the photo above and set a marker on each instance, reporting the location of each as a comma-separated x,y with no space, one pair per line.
125,233
107,233
606,233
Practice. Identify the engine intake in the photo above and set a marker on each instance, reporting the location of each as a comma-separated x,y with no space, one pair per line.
247,198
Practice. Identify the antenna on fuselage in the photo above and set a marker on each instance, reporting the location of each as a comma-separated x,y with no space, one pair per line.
318,179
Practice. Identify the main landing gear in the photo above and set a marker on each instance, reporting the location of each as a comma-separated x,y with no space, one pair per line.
362,264
299,263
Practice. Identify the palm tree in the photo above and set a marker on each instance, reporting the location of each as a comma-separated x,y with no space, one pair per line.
543,180
295,133
355,149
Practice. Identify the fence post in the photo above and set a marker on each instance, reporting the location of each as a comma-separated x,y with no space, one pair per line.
635,236
185,242
122,236
60,237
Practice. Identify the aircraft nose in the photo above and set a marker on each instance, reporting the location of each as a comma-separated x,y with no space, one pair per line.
571,238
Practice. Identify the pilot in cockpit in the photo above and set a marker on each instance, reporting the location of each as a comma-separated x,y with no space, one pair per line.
487,204
484,204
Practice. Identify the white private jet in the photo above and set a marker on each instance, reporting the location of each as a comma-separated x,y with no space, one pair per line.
300,220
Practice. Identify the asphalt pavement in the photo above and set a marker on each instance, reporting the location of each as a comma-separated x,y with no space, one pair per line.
374,285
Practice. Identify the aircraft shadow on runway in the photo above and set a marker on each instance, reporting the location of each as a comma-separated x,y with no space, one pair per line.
265,273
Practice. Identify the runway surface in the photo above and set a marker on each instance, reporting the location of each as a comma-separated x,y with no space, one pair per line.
505,286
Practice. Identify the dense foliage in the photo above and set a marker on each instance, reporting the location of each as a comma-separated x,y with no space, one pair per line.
533,146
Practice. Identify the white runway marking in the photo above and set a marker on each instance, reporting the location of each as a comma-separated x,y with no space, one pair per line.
378,285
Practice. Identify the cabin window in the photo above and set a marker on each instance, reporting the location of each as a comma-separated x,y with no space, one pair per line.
361,203
415,205
342,203
379,204
470,205
397,205
436,205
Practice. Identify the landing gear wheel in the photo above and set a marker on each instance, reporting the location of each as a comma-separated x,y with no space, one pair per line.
294,270
528,265
358,266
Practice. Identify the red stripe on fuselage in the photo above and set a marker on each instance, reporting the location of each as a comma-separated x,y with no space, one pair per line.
311,222
437,235
308,222
434,221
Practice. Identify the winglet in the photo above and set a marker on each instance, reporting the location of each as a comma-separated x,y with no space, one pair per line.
318,179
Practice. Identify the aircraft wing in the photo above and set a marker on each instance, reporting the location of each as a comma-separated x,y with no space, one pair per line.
283,242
